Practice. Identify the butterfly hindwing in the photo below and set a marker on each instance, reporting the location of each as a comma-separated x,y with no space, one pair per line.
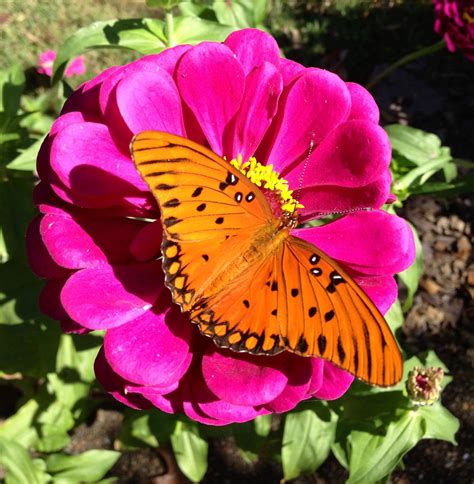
325,313
243,317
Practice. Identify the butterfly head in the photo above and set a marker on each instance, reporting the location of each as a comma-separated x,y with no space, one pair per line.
274,187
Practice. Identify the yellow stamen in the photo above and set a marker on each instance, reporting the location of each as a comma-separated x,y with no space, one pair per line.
270,179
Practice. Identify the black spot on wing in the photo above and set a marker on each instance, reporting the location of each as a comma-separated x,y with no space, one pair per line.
174,202
170,221
322,342
197,192
328,316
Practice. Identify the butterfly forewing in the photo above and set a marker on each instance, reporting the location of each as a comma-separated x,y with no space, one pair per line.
209,210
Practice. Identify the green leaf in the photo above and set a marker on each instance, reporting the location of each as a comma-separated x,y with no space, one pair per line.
372,457
440,423
263,425
141,35
140,430
165,4
416,145
307,439
411,276
54,424
26,160
19,291
29,348
190,451
19,427
464,185
240,13
90,466
72,380
394,316
192,30
12,85
16,213
19,465
450,171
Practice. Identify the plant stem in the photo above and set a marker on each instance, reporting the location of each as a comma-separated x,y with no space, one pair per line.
170,29
405,60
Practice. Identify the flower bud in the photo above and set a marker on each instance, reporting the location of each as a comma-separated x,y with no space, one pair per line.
424,385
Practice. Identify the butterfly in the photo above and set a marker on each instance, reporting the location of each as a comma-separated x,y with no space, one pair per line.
244,279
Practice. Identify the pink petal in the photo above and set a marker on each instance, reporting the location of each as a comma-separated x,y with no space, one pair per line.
147,243
110,296
335,382
354,154
243,379
115,385
260,102
86,97
211,82
218,409
317,367
382,290
327,199
189,400
86,160
152,349
78,242
150,101
76,67
166,403
373,243
39,258
290,70
166,60
363,105
253,47
49,301
299,379
314,105
69,326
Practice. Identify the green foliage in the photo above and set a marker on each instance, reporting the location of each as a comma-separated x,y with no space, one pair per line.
421,165
19,465
190,450
90,466
411,276
307,439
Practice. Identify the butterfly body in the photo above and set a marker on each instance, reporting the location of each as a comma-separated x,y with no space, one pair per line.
245,280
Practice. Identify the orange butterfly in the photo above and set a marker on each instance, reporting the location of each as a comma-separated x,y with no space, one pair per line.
247,282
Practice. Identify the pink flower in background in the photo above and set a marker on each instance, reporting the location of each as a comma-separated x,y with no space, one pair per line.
97,238
455,22
46,60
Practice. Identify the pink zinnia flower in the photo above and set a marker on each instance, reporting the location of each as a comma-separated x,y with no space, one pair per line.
97,239
455,22
46,61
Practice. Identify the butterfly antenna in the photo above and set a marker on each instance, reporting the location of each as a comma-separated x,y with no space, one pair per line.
305,165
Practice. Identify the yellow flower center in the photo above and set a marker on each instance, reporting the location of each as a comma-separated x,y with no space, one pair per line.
269,179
